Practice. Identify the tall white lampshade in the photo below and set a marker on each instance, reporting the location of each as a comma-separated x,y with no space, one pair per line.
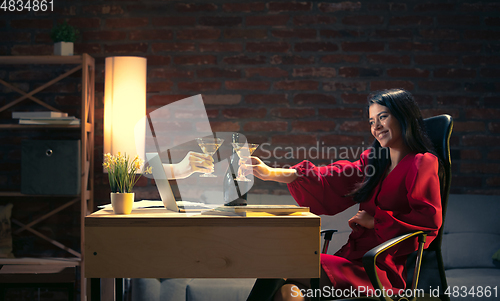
124,105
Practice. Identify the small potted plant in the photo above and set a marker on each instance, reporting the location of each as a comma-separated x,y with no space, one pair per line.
64,35
123,174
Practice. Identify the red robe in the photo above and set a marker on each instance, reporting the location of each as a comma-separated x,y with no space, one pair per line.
408,199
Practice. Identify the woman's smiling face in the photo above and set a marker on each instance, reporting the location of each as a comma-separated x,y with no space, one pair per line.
385,127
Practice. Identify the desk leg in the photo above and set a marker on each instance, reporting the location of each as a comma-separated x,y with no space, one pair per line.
314,286
119,289
95,289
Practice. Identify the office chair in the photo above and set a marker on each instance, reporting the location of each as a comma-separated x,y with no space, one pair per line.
439,131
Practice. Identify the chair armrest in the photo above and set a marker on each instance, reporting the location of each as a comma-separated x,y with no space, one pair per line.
328,237
370,258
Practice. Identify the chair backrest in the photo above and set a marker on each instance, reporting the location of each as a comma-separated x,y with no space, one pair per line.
439,131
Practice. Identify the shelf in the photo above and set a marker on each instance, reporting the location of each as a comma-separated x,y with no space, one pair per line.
37,126
40,59
19,194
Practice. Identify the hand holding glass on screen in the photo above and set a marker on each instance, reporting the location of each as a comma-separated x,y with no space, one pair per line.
244,151
209,146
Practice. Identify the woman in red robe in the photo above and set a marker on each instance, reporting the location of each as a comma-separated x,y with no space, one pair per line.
397,187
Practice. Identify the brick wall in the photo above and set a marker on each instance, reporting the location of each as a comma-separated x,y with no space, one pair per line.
297,74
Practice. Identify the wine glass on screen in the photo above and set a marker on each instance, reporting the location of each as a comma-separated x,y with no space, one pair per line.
209,146
244,151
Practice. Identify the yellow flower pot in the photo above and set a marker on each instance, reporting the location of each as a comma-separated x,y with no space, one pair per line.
122,203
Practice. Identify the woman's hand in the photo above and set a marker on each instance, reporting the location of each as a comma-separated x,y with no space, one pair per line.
265,172
363,219
192,162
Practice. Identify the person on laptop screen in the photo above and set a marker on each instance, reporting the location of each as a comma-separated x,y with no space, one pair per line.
397,187
192,162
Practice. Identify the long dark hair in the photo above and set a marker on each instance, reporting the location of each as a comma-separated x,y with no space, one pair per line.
404,108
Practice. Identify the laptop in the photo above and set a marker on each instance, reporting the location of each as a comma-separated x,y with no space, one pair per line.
166,194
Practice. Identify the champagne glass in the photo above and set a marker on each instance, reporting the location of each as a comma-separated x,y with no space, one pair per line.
209,146
244,151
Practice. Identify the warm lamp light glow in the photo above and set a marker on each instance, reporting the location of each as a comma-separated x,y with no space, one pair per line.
124,105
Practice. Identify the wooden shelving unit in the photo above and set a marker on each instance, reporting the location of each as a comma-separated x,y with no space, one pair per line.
86,64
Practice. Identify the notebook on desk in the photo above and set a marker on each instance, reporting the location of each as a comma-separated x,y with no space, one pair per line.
166,194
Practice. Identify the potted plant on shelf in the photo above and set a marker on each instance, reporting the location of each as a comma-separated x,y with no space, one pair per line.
123,174
64,35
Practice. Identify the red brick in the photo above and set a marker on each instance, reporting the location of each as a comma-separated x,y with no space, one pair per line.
468,126
267,47
266,72
265,126
126,48
306,99
161,100
168,73
181,47
387,7
313,126
159,86
482,113
342,140
29,75
248,85
454,73
345,86
340,58
491,101
439,85
407,72
294,140
359,72
494,127
162,60
440,34
410,46
224,126
480,7
195,7
243,33
244,60
457,100
221,47
244,113
244,7
411,20
436,60
199,86
85,22
470,154
426,113
174,21
126,22
343,112
494,181
158,34
289,113
289,6
90,48
481,60
490,73
313,20
386,84
492,21
461,47
31,24
230,99
482,35
296,85
482,168
363,46
103,9
432,7
220,21
198,34
481,140
316,46
15,37
104,35
292,60
301,33
394,34
340,6
267,20
493,155
459,20
355,126
195,60
324,72
362,20
488,87
32,50
218,72
463,181
266,99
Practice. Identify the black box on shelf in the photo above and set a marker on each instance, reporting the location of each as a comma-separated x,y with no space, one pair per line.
50,167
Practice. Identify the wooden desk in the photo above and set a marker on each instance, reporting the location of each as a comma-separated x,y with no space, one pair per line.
155,243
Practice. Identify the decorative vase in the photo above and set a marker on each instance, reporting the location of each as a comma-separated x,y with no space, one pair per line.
63,48
122,203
